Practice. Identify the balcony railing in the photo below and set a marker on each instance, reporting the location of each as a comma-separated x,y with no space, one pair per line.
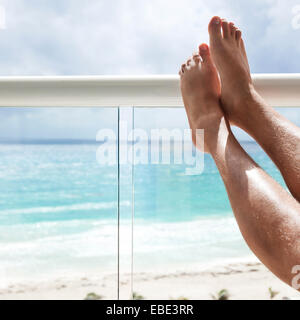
280,90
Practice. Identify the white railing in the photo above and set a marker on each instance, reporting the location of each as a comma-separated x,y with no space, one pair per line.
280,90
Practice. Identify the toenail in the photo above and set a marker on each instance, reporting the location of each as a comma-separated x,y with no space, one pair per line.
204,47
217,21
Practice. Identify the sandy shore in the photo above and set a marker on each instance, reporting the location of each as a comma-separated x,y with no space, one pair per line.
243,281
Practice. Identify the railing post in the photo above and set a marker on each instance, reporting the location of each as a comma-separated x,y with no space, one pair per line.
125,206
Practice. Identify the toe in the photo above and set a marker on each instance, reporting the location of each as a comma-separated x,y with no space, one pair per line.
183,68
196,58
232,28
225,28
243,48
188,63
238,35
214,28
205,53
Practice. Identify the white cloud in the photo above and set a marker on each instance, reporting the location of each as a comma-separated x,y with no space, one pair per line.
100,36
136,37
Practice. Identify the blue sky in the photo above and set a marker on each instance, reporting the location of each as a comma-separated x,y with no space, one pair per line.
95,37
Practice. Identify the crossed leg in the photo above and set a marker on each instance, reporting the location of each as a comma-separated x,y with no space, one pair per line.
268,216
245,108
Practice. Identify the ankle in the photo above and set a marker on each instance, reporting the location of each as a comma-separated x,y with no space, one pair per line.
244,107
255,110
216,137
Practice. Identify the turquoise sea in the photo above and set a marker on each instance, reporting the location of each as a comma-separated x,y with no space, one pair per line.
58,212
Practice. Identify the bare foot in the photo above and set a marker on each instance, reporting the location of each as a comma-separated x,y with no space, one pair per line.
229,55
201,90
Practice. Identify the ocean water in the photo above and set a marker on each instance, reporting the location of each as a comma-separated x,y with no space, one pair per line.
58,213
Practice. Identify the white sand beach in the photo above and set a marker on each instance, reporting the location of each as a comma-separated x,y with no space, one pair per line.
243,281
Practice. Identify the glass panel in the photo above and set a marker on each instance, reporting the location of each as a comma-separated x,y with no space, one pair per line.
58,204
186,239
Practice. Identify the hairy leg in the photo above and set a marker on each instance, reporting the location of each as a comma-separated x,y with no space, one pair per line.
268,217
246,109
